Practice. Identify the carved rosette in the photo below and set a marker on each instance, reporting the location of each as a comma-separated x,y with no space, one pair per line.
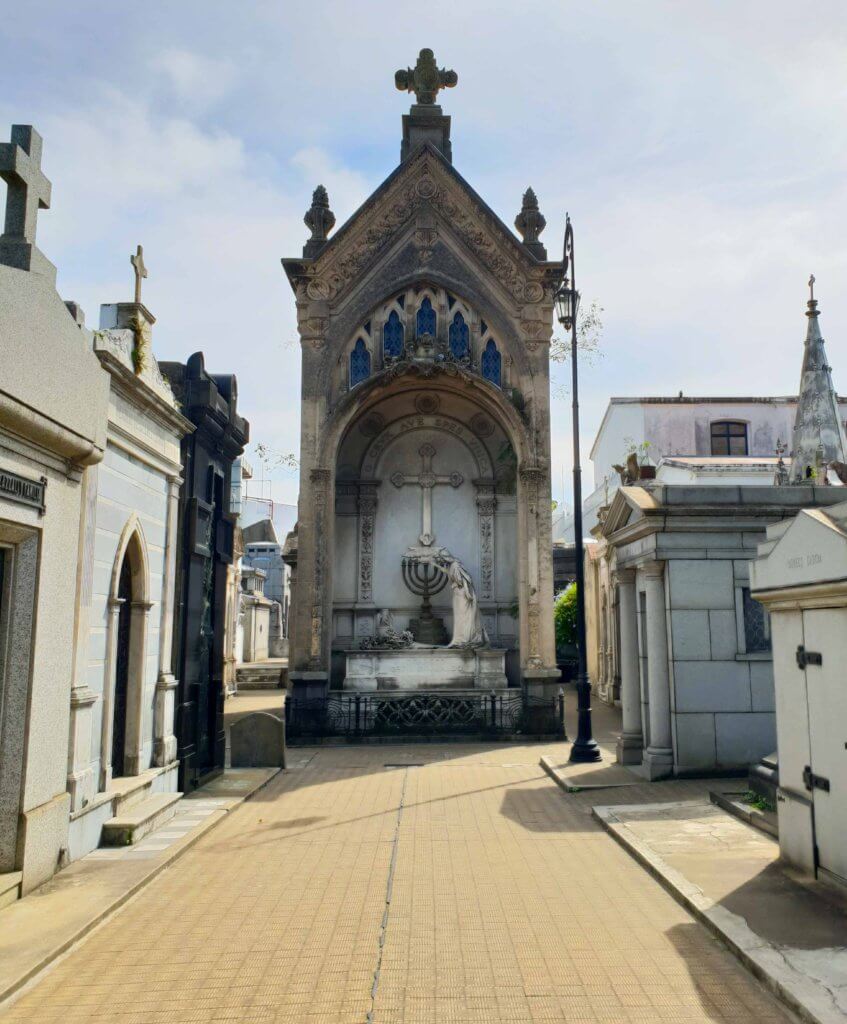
367,519
486,504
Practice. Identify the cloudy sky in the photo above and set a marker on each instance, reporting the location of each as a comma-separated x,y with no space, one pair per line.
701,149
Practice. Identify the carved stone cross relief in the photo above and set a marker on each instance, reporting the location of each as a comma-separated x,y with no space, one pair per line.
426,480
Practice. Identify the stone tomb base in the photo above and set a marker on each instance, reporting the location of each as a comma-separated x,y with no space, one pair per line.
426,668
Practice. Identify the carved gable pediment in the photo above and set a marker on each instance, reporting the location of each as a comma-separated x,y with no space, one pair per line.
424,195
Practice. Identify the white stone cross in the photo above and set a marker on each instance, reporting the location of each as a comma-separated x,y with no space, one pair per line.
29,189
426,480
137,262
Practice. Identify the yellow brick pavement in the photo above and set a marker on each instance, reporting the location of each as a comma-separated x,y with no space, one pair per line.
469,888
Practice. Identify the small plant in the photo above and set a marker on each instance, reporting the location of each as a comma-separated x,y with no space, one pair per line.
761,803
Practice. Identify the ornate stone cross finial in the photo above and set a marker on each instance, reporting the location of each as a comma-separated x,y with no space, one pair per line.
137,262
28,192
425,79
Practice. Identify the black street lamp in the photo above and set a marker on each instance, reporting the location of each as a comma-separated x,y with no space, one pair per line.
567,306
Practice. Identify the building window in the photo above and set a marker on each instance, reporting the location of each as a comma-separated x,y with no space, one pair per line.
360,363
459,337
729,437
392,336
426,318
491,363
757,625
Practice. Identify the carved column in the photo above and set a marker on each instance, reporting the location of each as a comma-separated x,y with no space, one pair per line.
658,758
486,504
367,502
630,741
137,696
538,658
320,480
82,768
113,606
164,740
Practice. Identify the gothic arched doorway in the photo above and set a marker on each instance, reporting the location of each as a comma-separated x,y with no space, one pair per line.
122,669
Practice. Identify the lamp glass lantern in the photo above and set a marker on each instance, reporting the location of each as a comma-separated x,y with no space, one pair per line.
567,304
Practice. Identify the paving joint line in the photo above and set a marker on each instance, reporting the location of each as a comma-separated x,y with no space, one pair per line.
389,888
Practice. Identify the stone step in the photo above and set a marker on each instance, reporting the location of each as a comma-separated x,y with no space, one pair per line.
130,790
257,684
10,887
133,824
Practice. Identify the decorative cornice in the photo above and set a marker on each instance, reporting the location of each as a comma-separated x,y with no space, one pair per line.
426,181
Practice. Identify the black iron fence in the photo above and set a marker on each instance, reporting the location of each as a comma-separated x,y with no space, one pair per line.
358,715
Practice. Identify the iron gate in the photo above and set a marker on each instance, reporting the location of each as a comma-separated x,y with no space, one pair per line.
358,715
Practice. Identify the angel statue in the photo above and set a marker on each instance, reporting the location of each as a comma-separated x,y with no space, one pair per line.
468,630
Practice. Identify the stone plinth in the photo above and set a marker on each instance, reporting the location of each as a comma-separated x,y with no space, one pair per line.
426,668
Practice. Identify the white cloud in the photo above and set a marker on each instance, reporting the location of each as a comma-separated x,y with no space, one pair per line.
195,79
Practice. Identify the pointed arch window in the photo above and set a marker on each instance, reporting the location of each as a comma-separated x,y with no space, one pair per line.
426,318
392,336
491,363
360,363
459,337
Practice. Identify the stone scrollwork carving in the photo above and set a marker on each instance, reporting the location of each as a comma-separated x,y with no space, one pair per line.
367,518
431,188
486,504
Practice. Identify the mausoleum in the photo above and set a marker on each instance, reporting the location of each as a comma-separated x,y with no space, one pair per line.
424,506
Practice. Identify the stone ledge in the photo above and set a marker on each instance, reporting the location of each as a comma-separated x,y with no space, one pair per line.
142,818
811,999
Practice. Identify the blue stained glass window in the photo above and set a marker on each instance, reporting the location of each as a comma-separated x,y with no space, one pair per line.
426,318
491,362
360,363
392,335
459,337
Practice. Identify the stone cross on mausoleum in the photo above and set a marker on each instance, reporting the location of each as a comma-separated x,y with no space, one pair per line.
425,79
140,269
426,480
28,192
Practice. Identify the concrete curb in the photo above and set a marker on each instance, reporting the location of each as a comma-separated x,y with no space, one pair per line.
110,909
804,997
573,786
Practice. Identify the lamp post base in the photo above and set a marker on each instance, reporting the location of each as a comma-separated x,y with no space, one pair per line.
585,752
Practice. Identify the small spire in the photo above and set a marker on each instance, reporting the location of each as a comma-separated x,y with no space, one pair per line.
530,222
320,220
813,302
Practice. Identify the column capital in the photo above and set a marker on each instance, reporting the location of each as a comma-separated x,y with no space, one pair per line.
624,577
652,570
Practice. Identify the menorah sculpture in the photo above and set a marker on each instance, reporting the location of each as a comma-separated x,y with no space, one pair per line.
425,581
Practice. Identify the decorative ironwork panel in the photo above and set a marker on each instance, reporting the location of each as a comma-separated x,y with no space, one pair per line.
757,633
358,715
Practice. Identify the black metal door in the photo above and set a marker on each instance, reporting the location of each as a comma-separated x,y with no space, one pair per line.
122,670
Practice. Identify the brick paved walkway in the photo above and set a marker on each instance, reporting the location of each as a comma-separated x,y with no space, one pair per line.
469,888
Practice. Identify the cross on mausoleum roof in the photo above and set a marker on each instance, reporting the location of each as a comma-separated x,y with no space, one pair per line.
138,266
425,79
28,192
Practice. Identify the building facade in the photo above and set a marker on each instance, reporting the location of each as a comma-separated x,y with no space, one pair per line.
123,748
425,326
53,412
205,551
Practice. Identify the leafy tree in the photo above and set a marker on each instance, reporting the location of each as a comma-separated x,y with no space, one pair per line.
564,616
